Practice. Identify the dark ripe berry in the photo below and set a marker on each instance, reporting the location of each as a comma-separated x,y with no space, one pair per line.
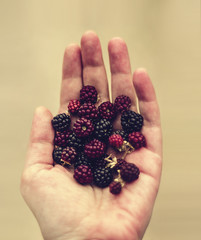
131,121
122,103
129,172
88,110
95,149
68,155
61,138
116,140
75,142
83,128
88,94
115,187
137,140
100,162
120,162
82,160
61,122
74,106
103,177
57,154
103,129
83,174
122,133
107,110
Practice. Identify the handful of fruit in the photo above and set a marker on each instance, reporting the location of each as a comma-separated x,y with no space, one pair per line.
85,146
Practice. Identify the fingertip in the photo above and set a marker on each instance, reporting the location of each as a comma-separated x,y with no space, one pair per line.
116,44
143,85
89,35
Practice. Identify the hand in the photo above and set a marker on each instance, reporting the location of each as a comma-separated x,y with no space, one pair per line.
63,208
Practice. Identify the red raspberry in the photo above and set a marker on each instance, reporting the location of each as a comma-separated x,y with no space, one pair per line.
116,140
88,94
68,155
83,174
122,103
137,140
115,187
61,138
129,172
73,106
88,110
94,149
107,110
83,127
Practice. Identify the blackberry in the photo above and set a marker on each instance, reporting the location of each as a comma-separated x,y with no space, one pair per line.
120,162
103,129
83,127
122,133
95,149
61,138
82,160
137,140
103,177
129,172
122,103
75,142
83,174
61,122
131,121
101,162
68,155
74,106
88,110
115,187
116,140
57,154
107,110
88,94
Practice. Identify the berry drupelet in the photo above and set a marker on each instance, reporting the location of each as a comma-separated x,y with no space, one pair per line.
122,103
88,94
107,110
83,174
137,140
131,121
61,122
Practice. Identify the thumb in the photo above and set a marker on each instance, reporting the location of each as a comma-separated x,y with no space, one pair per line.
41,139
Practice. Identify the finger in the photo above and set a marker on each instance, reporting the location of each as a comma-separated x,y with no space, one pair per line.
41,139
147,98
121,76
71,76
149,109
94,72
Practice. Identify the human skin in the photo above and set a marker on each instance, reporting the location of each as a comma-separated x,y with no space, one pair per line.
63,208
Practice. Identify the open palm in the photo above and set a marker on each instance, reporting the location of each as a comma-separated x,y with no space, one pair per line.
63,208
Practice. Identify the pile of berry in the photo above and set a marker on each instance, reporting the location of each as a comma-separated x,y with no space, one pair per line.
84,147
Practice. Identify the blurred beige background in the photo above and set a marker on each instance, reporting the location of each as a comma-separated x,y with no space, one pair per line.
162,36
